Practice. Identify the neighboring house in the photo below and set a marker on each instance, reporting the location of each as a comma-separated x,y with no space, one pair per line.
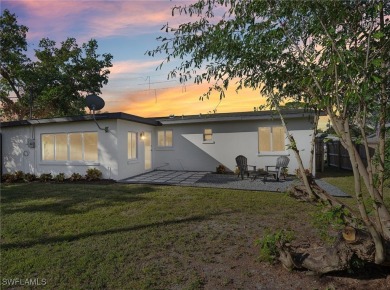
134,145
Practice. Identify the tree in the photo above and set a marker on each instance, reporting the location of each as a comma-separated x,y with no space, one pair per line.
332,55
56,82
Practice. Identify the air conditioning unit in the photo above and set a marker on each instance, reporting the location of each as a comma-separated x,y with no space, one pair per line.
31,143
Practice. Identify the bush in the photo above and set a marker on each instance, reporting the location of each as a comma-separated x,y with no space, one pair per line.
93,174
269,244
29,177
8,178
326,219
19,176
221,169
75,177
45,177
60,177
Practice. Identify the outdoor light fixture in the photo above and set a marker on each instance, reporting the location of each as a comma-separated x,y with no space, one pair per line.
142,135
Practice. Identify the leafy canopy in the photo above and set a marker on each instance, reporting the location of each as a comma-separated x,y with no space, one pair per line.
55,83
328,54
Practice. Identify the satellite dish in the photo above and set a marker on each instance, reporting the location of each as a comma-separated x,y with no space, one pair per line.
94,102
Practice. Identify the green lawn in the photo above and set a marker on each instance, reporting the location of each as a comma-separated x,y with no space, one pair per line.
137,236
343,179
117,236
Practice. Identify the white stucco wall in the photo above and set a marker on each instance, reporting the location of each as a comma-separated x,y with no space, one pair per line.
128,167
18,156
189,151
230,139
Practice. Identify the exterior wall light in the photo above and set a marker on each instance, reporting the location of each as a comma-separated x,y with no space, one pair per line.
142,135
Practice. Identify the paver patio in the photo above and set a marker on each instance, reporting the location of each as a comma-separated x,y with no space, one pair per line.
230,181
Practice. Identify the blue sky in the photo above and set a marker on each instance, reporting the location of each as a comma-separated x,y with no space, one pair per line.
126,29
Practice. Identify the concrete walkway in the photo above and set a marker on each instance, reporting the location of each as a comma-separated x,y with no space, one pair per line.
229,181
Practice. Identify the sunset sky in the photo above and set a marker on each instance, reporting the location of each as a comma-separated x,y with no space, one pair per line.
126,29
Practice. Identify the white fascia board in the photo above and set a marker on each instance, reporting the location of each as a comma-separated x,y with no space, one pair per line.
205,119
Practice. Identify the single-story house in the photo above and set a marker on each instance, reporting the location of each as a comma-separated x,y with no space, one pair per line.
132,145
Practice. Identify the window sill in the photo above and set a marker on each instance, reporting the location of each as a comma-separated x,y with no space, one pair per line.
70,163
165,149
276,153
208,142
132,161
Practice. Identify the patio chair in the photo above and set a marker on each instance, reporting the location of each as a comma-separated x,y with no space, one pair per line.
277,170
243,167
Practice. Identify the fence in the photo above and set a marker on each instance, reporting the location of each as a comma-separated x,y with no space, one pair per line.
337,155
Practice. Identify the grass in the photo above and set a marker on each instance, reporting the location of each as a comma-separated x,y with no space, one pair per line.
117,236
121,236
343,179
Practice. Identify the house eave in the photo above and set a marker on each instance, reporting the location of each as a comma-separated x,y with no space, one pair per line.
228,117
99,117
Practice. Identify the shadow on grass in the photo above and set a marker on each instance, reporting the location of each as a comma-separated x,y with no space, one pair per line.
63,199
334,172
71,238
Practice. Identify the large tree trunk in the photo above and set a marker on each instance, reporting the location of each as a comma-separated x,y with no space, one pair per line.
351,243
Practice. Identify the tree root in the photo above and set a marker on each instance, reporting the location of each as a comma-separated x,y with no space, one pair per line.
324,260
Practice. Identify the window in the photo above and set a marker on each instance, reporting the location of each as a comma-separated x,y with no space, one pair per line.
271,139
131,145
208,135
69,147
164,138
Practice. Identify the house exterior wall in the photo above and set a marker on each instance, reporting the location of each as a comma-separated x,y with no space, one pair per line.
18,156
133,167
188,150
230,139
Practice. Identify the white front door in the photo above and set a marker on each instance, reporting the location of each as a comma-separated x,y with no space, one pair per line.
148,150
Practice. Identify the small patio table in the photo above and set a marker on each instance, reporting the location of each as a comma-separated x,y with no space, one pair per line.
257,174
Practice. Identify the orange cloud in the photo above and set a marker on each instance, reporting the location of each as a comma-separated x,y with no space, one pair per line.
183,101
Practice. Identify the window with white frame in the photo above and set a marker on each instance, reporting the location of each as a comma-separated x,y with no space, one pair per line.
208,135
70,146
271,139
164,138
132,145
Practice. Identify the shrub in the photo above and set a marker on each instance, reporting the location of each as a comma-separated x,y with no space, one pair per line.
60,177
221,169
326,219
19,176
269,244
8,178
75,177
29,177
93,174
45,177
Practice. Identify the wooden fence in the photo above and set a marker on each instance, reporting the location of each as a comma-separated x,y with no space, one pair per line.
337,155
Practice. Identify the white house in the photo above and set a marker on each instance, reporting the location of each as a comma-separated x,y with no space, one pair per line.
133,145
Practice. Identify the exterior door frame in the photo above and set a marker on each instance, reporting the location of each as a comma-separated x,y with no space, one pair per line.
148,160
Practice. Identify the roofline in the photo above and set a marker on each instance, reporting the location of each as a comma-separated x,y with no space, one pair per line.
188,119
104,116
236,116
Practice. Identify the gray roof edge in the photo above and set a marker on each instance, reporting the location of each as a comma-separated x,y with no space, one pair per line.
243,116
220,117
103,116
